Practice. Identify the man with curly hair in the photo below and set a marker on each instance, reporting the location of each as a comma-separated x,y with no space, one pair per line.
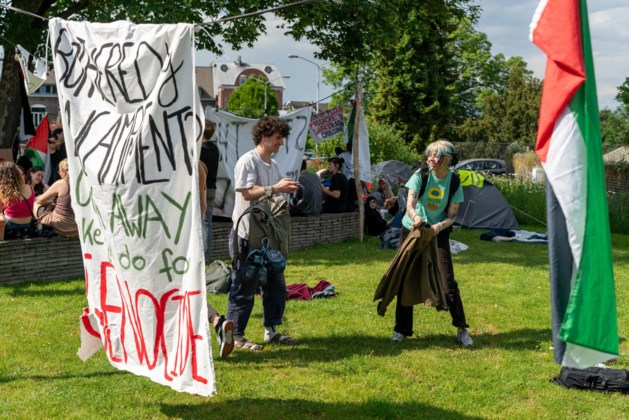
257,175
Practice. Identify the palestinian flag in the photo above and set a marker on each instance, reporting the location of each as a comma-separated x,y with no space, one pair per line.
364,156
569,147
37,148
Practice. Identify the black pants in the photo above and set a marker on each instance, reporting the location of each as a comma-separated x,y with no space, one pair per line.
404,314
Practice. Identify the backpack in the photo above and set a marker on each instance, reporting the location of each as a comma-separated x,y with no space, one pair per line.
269,219
218,277
598,379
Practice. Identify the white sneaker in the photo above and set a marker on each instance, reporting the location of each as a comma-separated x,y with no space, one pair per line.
397,337
464,338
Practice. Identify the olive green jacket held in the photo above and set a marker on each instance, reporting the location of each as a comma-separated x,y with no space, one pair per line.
416,266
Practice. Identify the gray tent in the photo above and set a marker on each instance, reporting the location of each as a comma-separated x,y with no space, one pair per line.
485,208
392,170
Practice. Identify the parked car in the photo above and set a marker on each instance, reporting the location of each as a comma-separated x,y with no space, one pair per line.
488,166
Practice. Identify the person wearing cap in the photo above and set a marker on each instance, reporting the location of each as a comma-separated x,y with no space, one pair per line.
335,196
432,208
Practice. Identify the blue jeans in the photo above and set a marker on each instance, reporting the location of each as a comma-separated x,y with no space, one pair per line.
14,230
207,224
242,292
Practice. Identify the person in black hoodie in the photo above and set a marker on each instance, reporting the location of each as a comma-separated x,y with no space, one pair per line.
373,220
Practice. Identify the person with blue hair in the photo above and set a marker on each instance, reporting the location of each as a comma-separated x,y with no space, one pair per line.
436,206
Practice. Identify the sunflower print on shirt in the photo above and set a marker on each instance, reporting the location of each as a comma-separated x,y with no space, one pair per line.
433,198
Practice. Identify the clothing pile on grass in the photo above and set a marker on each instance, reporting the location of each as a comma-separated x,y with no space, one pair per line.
301,291
521,236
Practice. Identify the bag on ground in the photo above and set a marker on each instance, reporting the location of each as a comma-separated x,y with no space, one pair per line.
218,277
597,379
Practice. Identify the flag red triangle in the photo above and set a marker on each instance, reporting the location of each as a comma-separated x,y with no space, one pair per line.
42,134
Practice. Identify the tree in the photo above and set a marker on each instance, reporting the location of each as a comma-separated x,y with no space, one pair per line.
30,32
508,116
417,76
351,33
248,99
623,93
615,125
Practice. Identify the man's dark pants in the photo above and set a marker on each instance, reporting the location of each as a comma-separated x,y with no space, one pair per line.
242,292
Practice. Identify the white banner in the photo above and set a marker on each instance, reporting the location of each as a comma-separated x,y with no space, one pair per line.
364,155
327,124
234,139
132,119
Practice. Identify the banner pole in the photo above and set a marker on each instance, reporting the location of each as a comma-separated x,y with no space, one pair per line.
356,160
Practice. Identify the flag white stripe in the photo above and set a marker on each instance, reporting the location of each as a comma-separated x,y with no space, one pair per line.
566,170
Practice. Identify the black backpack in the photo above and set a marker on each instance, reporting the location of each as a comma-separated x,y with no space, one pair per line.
598,379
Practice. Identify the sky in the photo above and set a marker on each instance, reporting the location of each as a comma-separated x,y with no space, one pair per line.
506,23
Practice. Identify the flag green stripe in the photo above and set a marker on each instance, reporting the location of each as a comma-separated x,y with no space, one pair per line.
590,319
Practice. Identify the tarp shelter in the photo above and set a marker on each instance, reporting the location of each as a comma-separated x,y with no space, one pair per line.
484,207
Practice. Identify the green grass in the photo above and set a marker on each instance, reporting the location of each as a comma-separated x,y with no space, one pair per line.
345,366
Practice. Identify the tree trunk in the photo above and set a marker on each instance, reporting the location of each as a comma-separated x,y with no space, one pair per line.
23,31
9,100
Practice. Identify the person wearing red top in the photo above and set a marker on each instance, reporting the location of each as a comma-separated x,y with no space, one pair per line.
16,200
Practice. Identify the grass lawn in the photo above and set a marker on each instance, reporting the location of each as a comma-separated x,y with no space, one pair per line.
345,365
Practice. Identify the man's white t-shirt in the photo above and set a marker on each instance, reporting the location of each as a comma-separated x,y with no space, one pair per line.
251,170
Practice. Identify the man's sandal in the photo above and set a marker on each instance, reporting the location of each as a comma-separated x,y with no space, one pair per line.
281,339
247,345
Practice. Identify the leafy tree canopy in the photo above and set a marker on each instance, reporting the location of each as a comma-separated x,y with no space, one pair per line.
248,99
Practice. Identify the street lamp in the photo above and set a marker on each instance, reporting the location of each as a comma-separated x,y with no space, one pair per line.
268,82
318,74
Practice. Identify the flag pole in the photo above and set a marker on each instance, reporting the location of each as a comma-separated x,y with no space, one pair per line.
356,161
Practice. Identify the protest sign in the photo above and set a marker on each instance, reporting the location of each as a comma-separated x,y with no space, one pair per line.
234,139
132,121
327,124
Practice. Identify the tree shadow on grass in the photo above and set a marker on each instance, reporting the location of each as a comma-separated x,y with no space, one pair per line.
44,289
273,408
326,349
62,376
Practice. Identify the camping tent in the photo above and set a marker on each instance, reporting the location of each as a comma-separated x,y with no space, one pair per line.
485,207
392,170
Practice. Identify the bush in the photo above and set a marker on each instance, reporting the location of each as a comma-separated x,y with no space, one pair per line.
527,198
528,201
618,211
387,143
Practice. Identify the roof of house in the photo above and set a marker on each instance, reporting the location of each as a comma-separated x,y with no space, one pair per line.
618,155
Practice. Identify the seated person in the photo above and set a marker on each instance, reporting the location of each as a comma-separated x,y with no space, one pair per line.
374,222
35,177
16,201
335,196
57,202
307,200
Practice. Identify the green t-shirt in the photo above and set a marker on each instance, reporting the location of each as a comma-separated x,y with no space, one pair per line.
432,205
